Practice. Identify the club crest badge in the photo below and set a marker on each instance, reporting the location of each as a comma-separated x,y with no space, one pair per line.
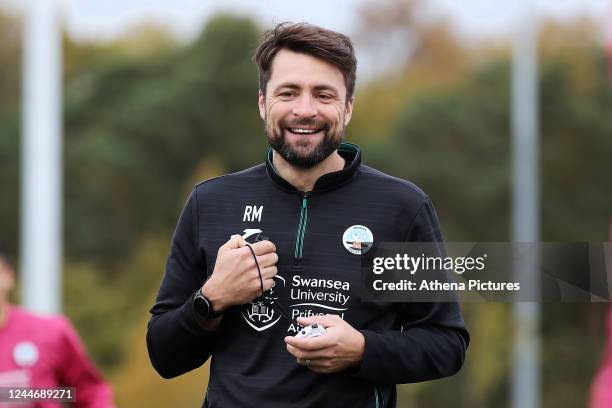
258,314
357,239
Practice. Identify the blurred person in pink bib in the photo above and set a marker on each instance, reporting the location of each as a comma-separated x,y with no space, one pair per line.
601,390
44,352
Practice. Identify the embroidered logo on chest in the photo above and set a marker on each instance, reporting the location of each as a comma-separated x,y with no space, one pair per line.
357,239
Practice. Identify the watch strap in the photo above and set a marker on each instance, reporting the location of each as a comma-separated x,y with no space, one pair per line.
203,306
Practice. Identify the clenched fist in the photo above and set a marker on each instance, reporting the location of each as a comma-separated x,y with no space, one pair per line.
235,280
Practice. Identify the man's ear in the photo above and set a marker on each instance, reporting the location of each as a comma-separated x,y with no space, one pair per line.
262,105
348,114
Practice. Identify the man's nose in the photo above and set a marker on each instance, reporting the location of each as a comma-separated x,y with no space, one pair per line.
305,107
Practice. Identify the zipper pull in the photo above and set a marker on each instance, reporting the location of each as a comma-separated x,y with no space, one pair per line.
304,200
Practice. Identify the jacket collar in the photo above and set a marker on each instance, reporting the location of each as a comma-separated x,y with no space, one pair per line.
350,152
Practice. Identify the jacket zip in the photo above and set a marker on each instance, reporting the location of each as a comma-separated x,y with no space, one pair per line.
376,396
299,240
380,402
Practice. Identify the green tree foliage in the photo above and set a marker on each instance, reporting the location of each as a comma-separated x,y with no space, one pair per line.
455,143
10,61
10,64
136,128
144,122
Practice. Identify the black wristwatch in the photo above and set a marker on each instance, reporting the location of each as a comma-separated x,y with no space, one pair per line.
203,306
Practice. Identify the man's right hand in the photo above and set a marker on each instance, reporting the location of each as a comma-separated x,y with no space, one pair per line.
235,280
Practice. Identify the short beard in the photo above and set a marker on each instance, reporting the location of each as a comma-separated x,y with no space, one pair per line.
329,144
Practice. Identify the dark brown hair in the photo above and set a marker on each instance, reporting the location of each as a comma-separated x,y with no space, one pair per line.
330,46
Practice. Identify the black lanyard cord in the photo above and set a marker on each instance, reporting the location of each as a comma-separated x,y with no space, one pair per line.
275,305
257,265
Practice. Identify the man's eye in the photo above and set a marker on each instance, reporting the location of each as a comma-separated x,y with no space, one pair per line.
286,94
325,97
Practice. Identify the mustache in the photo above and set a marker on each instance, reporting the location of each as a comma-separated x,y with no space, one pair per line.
312,123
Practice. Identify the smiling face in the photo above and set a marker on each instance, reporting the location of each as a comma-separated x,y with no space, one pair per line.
305,108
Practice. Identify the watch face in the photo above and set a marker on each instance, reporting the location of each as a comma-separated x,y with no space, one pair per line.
201,306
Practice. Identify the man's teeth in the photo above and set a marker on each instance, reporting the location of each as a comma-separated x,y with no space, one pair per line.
305,131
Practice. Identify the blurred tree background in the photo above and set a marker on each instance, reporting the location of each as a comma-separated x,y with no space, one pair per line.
146,117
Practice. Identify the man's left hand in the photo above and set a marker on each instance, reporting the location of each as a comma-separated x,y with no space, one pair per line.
341,347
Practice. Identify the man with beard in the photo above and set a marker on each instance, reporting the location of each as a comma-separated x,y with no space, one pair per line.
297,226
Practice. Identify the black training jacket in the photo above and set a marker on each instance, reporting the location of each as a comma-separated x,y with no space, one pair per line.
317,274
